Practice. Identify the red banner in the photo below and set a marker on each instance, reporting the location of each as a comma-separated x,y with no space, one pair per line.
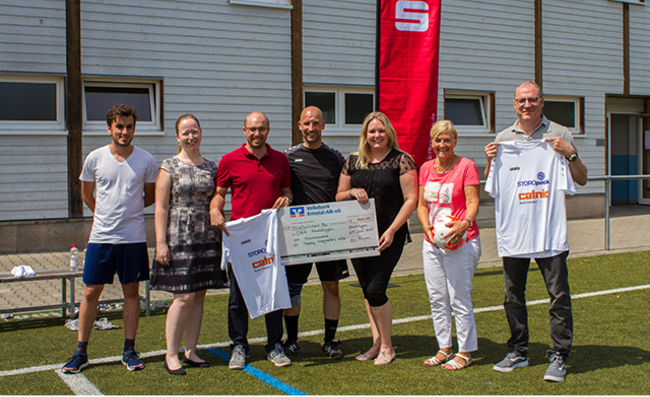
408,71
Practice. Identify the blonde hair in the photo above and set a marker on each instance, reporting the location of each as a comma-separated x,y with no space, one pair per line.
443,127
363,155
178,123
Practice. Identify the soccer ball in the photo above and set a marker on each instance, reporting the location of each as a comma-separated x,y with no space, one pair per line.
440,229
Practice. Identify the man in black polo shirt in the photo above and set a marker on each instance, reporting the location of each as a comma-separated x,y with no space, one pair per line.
315,170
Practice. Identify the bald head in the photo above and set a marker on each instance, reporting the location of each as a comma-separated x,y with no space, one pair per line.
257,115
311,125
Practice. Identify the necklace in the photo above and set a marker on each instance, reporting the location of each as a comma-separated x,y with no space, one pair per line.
445,169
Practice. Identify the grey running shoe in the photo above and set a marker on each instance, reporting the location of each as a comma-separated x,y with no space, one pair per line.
556,370
76,363
512,361
278,357
237,358
290,347
332,348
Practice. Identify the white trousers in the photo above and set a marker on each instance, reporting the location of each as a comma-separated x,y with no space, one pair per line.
449,275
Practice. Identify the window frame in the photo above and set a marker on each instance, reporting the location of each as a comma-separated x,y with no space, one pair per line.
339,127
35,127
153,127
284,4
579,105
486,101
635,2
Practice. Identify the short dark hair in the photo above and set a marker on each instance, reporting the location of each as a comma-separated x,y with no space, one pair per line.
117,111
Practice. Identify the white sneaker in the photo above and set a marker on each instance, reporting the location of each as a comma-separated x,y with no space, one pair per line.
278,357
237,358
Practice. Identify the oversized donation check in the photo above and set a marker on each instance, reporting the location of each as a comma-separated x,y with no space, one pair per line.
328,231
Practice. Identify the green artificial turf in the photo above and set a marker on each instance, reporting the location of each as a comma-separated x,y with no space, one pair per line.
611,349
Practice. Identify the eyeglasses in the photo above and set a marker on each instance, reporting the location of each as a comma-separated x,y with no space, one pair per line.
262,130
532,100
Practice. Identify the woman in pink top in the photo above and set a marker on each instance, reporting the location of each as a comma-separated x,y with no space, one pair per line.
449,185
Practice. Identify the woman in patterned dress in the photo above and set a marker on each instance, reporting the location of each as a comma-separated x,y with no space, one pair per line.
188,248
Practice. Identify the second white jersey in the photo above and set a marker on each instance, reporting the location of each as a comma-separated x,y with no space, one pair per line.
253,250
528,181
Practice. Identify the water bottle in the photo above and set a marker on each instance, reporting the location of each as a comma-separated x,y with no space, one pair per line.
85,250
74,258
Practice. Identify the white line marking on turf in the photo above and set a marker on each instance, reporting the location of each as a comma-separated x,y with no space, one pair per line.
79,384
314,332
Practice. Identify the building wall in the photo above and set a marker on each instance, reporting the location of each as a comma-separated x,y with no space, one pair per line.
583,56
214,59
220,61
33,167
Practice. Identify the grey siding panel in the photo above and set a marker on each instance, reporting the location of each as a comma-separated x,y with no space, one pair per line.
33,178
32,37
639,50
339,42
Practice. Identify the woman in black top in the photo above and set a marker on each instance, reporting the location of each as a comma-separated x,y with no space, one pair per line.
381,171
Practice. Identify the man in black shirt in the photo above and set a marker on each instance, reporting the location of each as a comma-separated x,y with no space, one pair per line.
315,170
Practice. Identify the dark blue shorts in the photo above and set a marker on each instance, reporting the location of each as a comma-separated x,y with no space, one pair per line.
129,261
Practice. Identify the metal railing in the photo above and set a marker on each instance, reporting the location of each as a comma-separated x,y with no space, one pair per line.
608,195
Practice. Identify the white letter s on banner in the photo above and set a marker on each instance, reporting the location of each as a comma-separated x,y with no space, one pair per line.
420,20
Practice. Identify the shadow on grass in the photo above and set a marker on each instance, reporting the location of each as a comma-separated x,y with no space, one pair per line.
583,358
594,357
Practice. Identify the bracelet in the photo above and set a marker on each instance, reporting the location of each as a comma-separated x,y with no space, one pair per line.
350,194
287,198
470,222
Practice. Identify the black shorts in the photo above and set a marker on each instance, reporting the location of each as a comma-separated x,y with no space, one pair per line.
327,271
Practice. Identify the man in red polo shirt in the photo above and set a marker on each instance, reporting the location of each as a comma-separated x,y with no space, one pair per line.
259,178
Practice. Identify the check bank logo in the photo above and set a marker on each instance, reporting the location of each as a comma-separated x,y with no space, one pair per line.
296,212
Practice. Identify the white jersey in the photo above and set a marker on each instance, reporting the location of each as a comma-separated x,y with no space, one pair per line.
528,181
119,189
254,252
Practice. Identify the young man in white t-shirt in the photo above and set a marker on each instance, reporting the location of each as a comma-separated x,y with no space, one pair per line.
122,178
532,125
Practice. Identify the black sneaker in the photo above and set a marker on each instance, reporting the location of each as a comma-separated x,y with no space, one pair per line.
77,363
290,347
332,348
131,359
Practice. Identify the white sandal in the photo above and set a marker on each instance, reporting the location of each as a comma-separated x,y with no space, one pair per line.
433,361
455,365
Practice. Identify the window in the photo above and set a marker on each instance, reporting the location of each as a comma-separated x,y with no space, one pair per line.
566,111
99,96
263,3
469,111
344,109
31,104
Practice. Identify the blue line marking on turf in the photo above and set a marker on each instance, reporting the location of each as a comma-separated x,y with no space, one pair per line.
263,376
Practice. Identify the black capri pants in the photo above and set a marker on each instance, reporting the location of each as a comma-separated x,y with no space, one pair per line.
374,272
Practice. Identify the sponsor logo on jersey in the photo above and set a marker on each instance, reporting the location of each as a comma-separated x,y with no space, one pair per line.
533,195
257,252
264,262
541,180
297,212
514,168
245,241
